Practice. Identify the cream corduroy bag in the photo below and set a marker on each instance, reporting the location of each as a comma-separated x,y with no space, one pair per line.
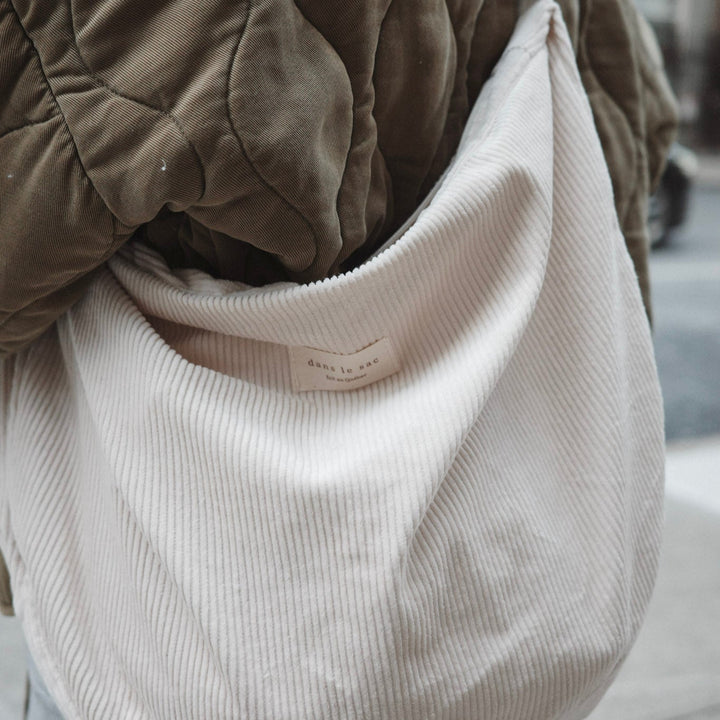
430,487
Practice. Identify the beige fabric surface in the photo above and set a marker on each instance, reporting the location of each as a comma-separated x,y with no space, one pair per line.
277,165
473,535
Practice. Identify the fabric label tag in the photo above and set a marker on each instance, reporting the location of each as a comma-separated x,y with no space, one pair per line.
314,369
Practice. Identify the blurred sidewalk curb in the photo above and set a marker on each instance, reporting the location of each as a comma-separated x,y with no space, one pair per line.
673,670
693,472
708,172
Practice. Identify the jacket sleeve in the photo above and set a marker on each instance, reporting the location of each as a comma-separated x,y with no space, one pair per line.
6,606
82,164
54,227
661,118
6,370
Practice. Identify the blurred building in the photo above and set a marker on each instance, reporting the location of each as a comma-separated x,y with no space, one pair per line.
688,32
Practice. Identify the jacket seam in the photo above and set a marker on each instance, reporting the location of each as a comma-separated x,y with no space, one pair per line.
26,125
100,82
74,278
234,129
352,114
59,108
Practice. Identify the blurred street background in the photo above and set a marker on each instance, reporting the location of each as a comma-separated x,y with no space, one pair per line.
685,287
673,671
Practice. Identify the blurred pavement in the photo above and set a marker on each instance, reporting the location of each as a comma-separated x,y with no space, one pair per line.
685,292
673,672
708,169
12,669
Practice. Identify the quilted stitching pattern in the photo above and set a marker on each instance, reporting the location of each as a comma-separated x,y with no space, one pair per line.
264,140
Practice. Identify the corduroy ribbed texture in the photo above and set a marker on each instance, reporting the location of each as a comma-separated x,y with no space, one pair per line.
473,537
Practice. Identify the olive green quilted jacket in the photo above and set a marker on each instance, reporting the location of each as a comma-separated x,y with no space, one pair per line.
266,140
